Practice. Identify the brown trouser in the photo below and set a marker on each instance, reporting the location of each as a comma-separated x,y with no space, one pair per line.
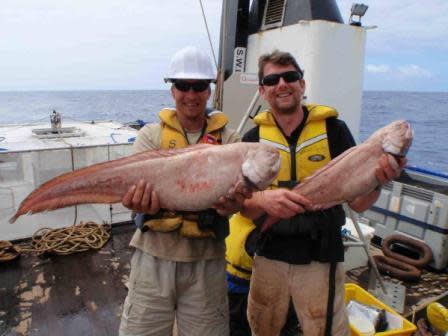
273,283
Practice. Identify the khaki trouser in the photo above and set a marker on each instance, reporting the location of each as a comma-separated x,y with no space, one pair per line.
160,291
274,282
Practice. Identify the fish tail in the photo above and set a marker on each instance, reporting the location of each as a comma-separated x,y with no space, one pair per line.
13,218
99,183
70,189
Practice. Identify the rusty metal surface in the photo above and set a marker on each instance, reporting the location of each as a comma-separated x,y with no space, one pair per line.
78,294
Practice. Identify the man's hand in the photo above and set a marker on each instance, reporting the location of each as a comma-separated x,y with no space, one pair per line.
283,203
389,168
142,199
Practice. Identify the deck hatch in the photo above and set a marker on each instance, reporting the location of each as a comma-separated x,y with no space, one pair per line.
54,133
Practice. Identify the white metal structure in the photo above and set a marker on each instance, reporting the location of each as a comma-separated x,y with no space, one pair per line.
332,56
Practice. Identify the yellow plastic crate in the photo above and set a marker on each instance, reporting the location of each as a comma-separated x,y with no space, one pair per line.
354,292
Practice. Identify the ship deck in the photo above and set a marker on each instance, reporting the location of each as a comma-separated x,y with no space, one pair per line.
83,293
77,294
432,286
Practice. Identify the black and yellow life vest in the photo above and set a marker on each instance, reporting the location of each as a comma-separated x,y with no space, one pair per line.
173,136
311,153
239,262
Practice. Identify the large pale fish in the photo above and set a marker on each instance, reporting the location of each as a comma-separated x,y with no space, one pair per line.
352,173
189,179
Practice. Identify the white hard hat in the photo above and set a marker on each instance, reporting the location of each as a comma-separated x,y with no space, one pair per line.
190,63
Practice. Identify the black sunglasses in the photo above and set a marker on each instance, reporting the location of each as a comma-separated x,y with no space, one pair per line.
184,86
288,76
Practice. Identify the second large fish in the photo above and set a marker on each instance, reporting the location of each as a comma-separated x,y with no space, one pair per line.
187,179
352,173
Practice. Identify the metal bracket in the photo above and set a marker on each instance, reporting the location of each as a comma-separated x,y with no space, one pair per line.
395,297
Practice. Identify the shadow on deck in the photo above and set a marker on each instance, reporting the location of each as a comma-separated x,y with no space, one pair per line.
78,294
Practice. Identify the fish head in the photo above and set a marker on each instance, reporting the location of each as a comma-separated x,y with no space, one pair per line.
261,166
398,138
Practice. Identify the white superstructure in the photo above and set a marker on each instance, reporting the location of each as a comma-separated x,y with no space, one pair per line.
332,55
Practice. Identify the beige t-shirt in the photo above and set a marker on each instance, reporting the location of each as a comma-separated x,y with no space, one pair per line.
171,245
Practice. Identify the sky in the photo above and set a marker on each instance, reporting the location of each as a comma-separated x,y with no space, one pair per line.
127,44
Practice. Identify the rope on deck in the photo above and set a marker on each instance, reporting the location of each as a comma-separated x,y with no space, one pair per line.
8,251
63,241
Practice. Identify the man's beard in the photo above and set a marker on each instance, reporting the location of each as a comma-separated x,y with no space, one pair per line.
195,113
287,110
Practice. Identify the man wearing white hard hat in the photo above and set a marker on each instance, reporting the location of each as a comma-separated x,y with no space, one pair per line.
178,268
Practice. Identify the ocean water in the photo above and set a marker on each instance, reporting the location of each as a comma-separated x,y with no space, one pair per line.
427,112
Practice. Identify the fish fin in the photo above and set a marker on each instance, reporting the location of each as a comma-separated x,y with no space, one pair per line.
155,154
62,202
146,155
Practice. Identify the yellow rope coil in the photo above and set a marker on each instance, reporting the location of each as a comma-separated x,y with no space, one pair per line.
8,251
63,241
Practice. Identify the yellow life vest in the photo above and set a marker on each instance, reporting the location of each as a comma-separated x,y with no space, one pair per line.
312,152
173,136
239,262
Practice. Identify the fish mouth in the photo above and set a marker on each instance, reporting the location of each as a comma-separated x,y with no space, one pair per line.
398,150
399,147
250,184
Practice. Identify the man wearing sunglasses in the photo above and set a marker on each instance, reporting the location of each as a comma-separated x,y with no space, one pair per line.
300,257
178,268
